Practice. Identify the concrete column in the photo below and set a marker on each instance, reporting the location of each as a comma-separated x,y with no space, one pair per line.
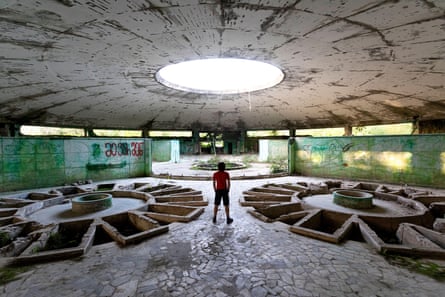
242,141
348,130
90,133
147,157
196,140
3,130
292,156
9,130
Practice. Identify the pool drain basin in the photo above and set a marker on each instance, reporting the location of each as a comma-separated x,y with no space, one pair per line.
91,202
353,199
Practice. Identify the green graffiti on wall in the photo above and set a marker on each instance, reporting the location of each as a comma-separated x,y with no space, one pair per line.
327,153
415,160
106,166
42,162
96,150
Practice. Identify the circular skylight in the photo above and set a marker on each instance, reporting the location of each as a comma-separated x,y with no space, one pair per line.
220,76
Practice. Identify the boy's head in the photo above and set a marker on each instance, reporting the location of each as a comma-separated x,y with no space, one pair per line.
221,166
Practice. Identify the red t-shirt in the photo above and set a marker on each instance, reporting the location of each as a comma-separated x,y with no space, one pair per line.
221,178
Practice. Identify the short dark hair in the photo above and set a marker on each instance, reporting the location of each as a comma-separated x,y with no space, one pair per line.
221,166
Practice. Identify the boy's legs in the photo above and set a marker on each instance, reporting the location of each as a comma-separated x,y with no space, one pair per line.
225,197
229,219
218,196
215,212
226,206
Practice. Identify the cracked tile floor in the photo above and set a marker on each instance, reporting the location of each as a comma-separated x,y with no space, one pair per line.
246,258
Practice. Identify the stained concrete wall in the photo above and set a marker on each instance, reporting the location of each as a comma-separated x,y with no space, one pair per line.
278,149
42,162
271,150
413,159
161,150
187,147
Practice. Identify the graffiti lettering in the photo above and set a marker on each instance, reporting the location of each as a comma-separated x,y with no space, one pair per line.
113,149
330,153
137,149
122,149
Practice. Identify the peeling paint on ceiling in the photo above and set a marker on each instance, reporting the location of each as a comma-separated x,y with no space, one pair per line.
93,63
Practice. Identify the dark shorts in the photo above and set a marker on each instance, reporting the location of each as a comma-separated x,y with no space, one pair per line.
224,194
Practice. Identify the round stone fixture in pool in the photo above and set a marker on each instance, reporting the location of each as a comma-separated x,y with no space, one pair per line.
213,166
353,199
91,202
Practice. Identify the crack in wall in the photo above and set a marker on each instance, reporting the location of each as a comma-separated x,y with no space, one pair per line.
25,98
377,92
23,85
368,27
28,44
365,114
118,26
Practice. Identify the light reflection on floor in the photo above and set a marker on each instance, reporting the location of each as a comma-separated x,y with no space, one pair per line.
63,212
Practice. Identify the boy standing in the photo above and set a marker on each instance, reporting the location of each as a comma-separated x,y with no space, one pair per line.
221,185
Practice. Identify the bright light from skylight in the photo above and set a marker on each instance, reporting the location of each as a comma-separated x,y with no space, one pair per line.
220,76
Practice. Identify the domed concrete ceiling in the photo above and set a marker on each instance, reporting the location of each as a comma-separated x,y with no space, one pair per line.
92,63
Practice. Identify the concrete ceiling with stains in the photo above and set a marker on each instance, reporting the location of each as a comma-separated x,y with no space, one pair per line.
92,63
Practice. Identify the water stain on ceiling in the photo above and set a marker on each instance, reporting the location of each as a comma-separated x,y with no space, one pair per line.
93,63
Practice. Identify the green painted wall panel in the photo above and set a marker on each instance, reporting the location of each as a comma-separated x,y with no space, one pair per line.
50,177
18,163
18,146
76,159
278,149
11,177
438,179
49,146
148,156
43,162
187,147
137,169
161,150
408,159
49,161
75,174
424,161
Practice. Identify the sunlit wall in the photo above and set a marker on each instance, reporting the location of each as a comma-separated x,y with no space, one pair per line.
410,159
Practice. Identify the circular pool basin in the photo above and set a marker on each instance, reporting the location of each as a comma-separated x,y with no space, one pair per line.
91,202
353,199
